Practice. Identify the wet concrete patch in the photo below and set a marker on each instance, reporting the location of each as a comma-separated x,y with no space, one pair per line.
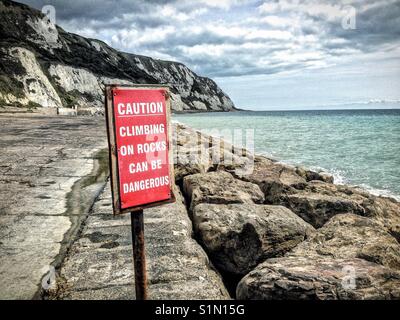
42,196
110,245
98,237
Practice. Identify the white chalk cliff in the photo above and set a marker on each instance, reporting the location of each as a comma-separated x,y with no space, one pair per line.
43,65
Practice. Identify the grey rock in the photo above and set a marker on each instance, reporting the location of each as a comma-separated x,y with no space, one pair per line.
274,178
352,236
239,236
190,152
44,158
196,152
325,278
220,187
326,200
386,211
311,175
350,257
317,209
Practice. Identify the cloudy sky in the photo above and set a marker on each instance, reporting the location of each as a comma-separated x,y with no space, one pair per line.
279,54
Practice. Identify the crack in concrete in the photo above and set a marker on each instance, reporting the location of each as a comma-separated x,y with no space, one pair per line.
225,279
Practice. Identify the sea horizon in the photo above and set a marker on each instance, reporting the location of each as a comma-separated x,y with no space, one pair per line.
320,109
361,105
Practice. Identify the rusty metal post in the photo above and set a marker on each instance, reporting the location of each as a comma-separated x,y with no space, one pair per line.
139,258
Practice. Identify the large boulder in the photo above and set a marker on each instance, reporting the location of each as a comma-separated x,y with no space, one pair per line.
326,278
319,201
311,175
190,161
196,152
274,178
352,236
350,257
220,187
190,152
239,236
317,208
386,211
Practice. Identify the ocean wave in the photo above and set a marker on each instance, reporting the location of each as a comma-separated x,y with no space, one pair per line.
339,178
380,192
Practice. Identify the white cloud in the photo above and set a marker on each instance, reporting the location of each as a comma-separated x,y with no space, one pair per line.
276,21
225,30
168,11
206,50
269,7
268,34
223,4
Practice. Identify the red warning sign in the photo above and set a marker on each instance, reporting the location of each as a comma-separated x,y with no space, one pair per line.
139,139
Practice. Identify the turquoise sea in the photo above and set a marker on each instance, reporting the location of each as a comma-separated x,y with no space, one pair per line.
359,147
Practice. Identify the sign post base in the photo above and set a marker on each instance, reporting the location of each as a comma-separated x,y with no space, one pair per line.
139,258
